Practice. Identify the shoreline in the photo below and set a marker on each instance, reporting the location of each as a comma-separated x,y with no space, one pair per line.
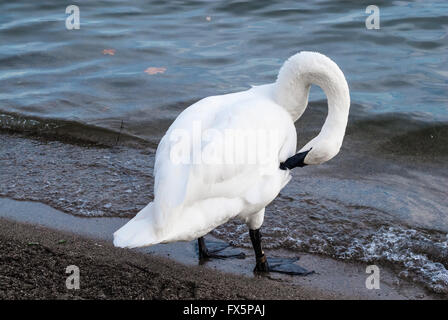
89,239
35,258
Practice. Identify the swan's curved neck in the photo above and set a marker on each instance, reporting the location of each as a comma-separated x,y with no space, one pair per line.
292,89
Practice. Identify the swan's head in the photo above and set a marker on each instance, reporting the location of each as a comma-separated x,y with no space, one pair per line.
314,152
295,78
320,151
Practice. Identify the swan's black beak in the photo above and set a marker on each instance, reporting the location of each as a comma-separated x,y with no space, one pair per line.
295,161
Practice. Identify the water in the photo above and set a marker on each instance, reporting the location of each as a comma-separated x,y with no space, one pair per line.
383,199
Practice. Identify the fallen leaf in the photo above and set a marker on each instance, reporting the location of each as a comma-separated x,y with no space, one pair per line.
110,52
155,70
33,243
62,241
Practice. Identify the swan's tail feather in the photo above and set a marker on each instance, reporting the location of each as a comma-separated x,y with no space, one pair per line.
139,231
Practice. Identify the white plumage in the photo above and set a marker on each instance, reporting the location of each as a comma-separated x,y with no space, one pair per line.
193,195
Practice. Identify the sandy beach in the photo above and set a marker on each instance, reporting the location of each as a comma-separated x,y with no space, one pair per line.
34,260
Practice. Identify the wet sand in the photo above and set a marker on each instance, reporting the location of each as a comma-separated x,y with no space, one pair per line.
33,262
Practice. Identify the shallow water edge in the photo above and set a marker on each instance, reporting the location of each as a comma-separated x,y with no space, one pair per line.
345,279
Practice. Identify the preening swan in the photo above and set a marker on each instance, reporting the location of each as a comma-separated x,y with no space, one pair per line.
229,156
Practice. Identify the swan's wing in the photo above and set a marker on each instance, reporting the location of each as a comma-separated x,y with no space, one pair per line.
171,169
222,170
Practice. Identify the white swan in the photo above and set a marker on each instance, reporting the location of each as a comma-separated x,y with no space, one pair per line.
193,196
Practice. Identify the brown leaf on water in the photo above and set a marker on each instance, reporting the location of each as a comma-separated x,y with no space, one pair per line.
110,52
155,70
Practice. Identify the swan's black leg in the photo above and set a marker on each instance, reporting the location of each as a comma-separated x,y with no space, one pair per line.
281,265
218,250
261,261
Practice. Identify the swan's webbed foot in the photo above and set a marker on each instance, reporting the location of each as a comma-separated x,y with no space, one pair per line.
280,265
262,265
288,266
217,250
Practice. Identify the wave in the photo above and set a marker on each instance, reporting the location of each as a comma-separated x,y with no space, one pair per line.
384,134
403,135
68,131
387,134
